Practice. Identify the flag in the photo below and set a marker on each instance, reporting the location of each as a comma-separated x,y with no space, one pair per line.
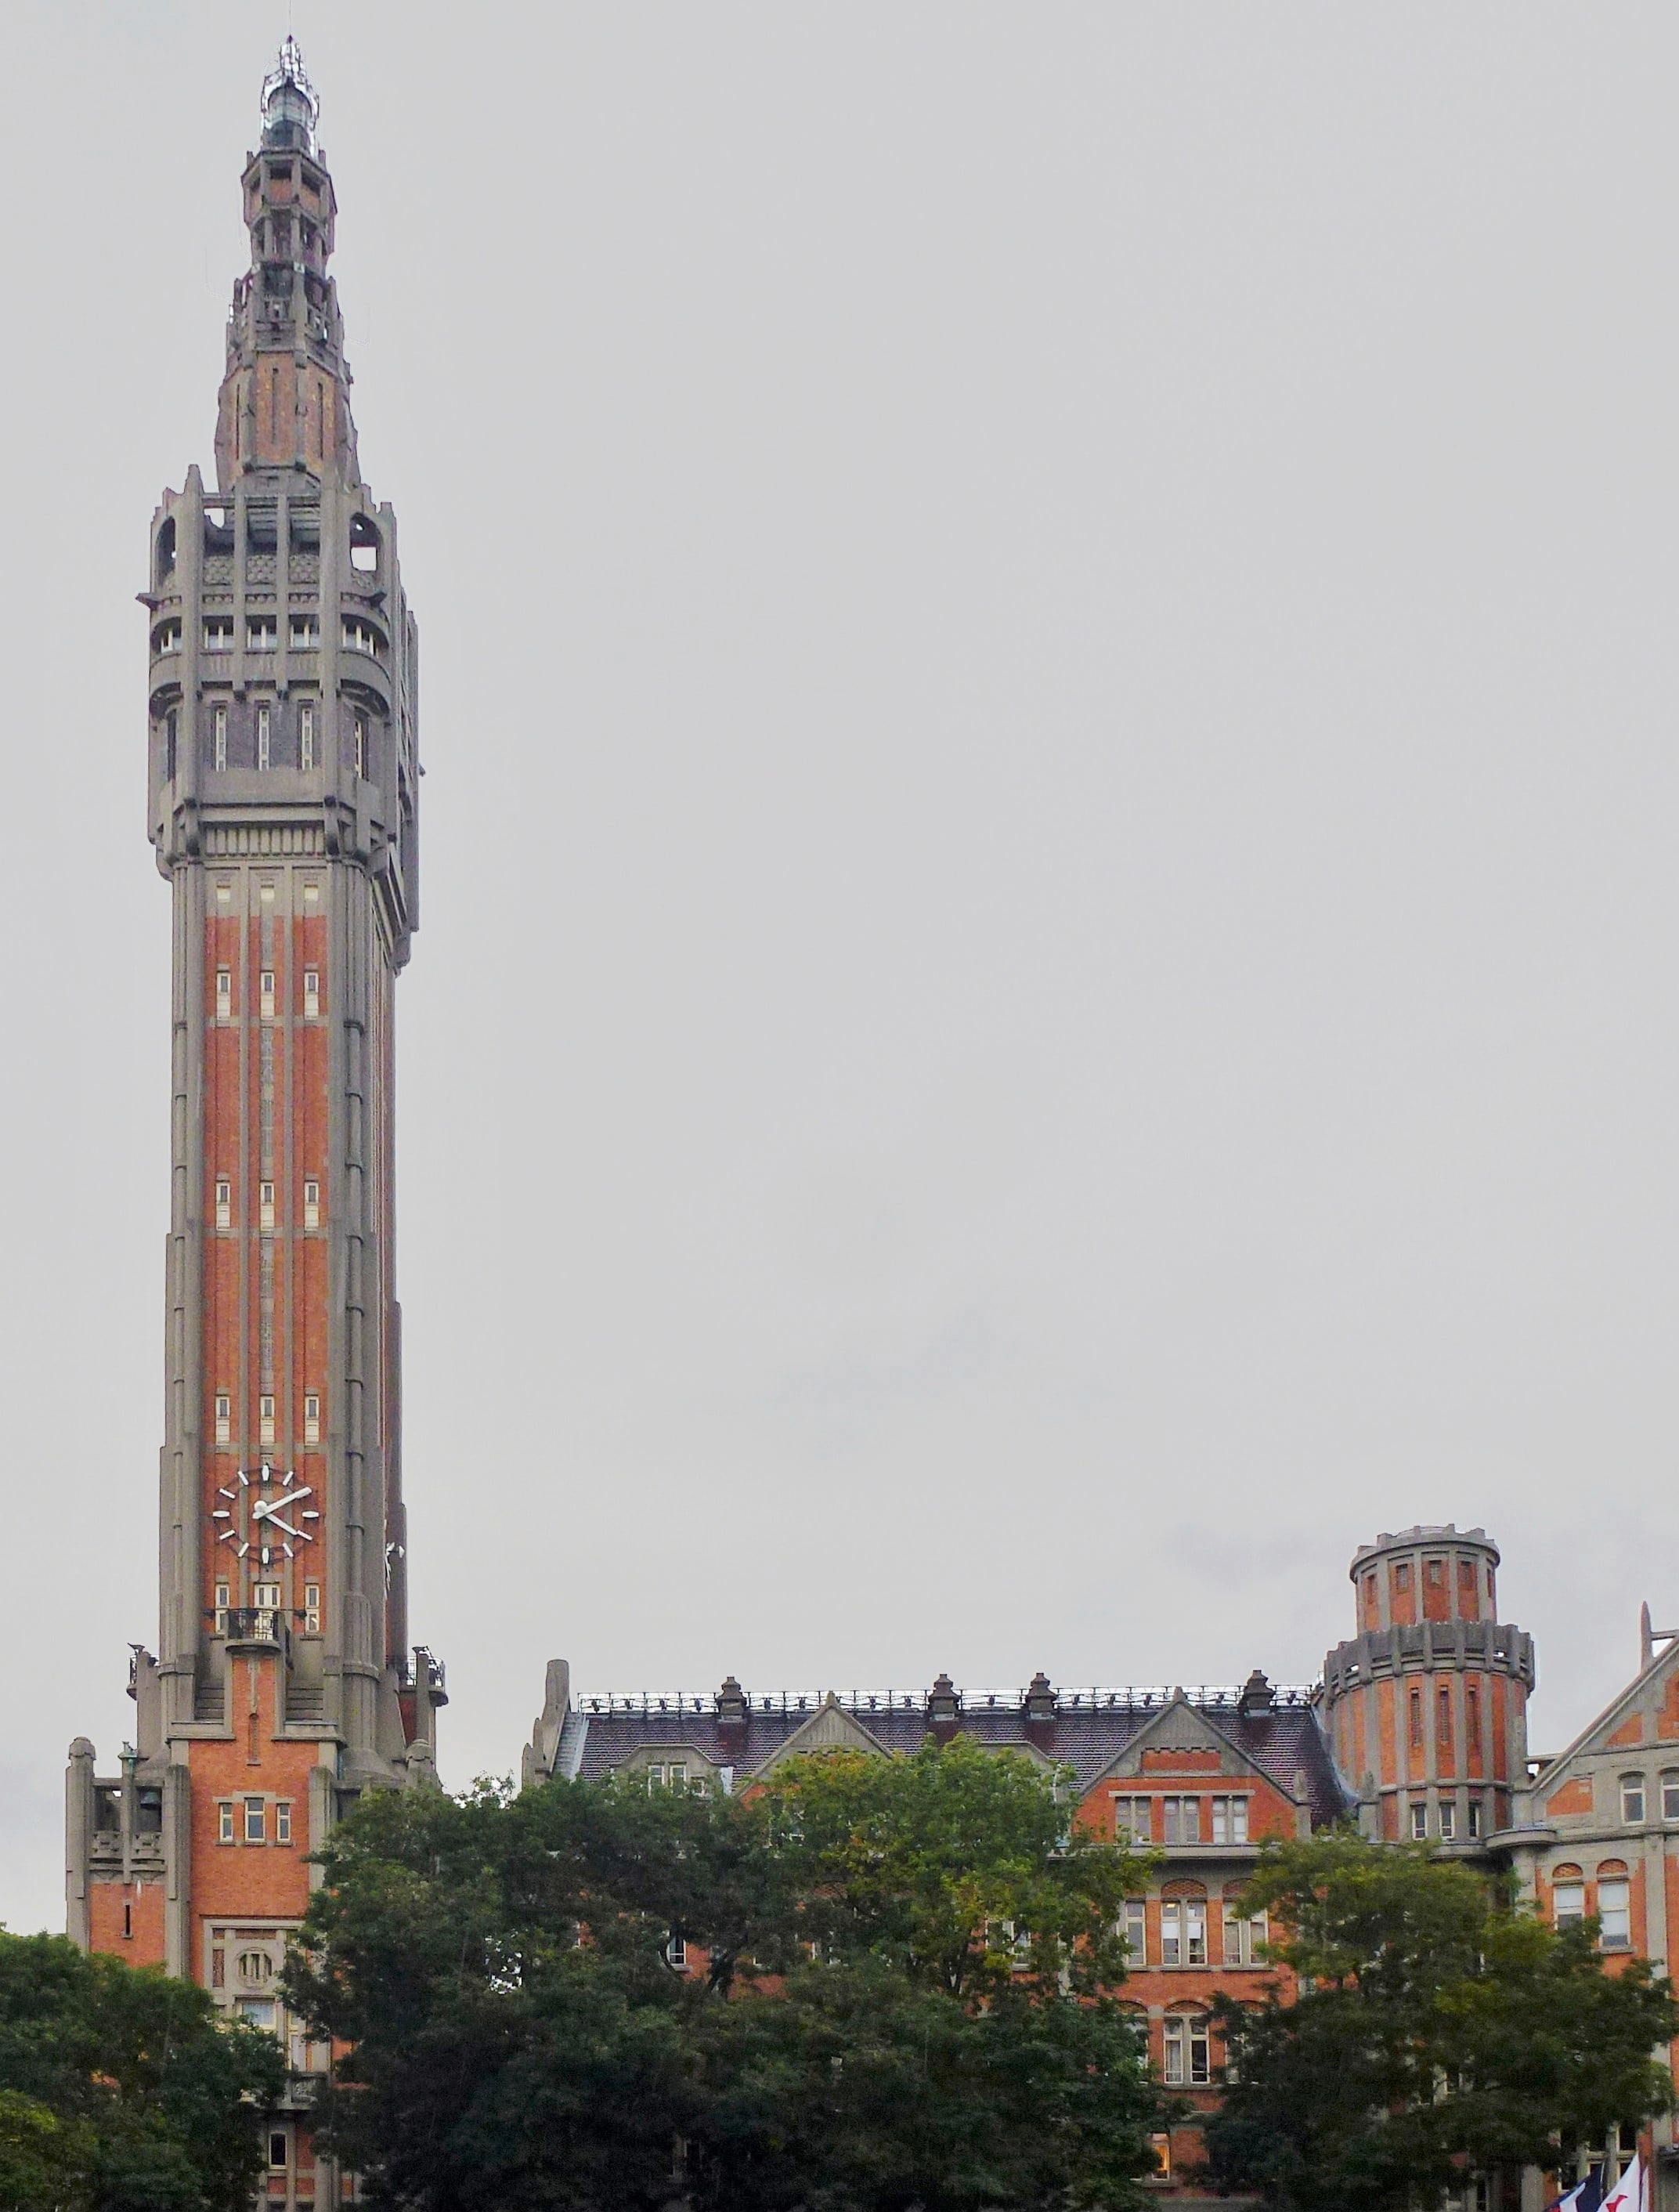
1586,2196
1631,2192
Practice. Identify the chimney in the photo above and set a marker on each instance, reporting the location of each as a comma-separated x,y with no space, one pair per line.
733,1708
943,1704
1041,1707
1257,1695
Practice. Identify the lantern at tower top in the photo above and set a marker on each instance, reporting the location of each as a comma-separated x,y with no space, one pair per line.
290,107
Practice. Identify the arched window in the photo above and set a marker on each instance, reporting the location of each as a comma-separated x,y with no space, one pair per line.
1243,1935
1187,2051
256,1967
1568,1896
1614,1905
1184,1927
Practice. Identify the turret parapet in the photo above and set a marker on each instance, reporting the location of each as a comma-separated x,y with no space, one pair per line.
1428,1702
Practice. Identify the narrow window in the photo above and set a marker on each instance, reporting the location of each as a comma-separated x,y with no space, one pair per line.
264,1420
171,740
1472,1718
1615,1914
224,1204
1475,1816
1229,1820
1134,1928
282,1822
360,729
1568,1904
225,1829
224,1418
312,1608
224,994
306,737
311,993
1187,2051
1436,1570
1632,1797
1402,1575
265,1205
1443,1723
265,993
1134,1820
1243,1938
1183,1932
1448,1820
1670,1795
1183,1819
222,1597
127,1918
169,637
312,1419
276,2151
218,1956
312,1206
677,1952
1419,1823
221,728
1416,1720
265,735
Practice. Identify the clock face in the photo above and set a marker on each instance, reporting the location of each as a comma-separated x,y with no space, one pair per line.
267,1515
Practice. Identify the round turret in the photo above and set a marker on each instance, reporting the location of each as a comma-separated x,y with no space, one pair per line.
1427,1706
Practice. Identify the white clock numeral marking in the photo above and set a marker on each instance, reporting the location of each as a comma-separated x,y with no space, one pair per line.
230,1536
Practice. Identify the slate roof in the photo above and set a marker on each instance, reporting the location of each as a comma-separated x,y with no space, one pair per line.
1091,1729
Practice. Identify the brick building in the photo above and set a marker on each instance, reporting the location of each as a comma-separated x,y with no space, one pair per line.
283,805
1417,1730
282,799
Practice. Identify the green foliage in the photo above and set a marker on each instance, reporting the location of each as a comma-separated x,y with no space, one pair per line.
1441,2025
120,2089
860,2039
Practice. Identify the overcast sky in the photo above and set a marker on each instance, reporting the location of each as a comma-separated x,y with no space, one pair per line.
1046,984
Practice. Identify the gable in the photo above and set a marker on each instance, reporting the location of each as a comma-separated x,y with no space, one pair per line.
1646,1713
1182,1739
830,1728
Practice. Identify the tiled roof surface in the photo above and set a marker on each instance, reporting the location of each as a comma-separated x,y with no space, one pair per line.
1283,1742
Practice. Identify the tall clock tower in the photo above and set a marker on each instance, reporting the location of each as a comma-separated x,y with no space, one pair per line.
283,801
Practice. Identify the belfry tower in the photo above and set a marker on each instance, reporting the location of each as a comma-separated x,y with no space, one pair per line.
282,795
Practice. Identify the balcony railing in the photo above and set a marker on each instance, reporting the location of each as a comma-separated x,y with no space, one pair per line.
262,1624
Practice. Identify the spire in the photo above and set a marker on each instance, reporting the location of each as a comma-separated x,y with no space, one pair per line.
285,396
290,109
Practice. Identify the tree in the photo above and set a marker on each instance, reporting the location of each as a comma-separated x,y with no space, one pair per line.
1438,2026
121,2089
898,2005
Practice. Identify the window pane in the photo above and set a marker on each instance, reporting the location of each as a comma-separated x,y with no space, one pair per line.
1614,1911
1568,1903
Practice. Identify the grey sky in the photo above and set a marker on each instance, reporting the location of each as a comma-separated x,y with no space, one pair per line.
1045,993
